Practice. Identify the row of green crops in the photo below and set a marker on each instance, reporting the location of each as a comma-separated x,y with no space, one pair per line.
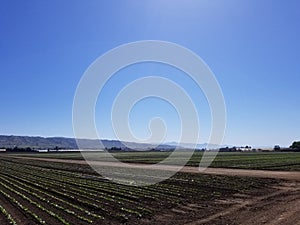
84,199
9,218
245,160
62,193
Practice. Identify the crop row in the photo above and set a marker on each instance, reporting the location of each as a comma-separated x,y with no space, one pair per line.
7,215
36,204
114,190
89,197
60,169
33,192
62,193
22,207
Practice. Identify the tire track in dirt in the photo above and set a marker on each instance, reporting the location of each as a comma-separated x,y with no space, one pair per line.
279,207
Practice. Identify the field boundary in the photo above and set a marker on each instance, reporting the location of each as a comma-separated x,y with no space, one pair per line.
286,175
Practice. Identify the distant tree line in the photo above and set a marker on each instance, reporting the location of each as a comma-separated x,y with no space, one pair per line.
113,149
295,145
20,149
29,149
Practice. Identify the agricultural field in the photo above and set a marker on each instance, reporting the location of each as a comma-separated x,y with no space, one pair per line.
39,192
284,161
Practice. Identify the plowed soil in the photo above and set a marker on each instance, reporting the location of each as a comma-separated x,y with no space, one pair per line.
280,204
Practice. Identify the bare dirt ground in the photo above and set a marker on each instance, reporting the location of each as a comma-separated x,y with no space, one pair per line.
280,205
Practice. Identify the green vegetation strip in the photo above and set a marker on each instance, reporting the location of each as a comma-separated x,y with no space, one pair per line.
32,191
35,204
22,207
243,160
8,216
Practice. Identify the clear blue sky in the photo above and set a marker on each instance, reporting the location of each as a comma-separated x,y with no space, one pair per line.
252,47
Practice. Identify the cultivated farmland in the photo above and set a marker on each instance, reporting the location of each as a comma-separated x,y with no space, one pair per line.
39,192
286,161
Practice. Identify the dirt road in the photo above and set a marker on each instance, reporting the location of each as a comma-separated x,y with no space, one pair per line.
287,175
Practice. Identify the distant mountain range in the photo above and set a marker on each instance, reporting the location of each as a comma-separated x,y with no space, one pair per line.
70,143
197,146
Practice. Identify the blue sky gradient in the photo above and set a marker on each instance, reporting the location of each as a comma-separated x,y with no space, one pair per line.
251,46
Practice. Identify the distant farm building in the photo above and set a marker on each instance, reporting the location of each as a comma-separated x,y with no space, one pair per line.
236,149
